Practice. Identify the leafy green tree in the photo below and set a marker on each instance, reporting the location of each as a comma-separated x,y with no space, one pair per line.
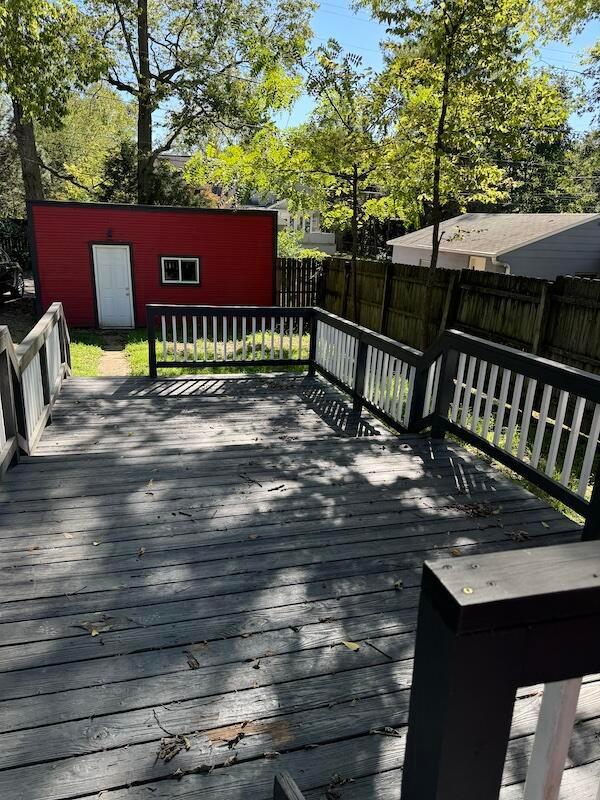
92,129
12,197
200,67
289,245
329,163
45,52
118,183
580,184
462,85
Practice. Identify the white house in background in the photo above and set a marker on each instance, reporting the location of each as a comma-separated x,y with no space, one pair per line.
309,222
538,245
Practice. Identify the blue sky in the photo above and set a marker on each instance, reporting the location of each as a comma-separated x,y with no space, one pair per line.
358,33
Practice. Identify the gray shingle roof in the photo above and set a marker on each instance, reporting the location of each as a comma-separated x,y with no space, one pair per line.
493,234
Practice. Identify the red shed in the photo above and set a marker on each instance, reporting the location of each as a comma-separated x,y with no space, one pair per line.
104,262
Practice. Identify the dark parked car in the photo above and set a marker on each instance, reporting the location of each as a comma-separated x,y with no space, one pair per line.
11,276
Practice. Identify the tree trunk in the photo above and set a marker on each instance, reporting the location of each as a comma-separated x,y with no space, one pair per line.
28,155
145,189
437,163
436,210
354,239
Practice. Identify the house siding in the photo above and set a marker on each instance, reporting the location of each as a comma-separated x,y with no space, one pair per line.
413,255
571,252
236,250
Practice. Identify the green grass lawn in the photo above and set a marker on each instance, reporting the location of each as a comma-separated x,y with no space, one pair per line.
136,351
86,352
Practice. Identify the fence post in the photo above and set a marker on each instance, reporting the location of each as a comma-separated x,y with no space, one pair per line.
445,393
385,298
359,375
450,301
540,320
347,270
151,342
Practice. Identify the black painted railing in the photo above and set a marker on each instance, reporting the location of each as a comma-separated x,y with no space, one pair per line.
487,626
538,417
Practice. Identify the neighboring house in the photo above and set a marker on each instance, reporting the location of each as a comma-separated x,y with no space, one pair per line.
105,262
309,222
538,245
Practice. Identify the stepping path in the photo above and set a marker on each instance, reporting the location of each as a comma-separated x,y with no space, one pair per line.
113,361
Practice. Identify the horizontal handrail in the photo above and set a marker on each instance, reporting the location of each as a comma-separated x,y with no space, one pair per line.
31,375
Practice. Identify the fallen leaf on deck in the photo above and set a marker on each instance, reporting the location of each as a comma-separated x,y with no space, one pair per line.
387,731
517,536
455,551
141,552
192,661
253,536
271,754
170,746
545,524
68,535
351,645
95,544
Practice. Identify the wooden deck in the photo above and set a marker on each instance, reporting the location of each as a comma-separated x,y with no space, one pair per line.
184,563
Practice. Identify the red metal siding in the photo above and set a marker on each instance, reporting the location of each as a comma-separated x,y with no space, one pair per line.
236,252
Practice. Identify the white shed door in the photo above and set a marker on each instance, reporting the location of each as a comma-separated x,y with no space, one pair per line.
113,285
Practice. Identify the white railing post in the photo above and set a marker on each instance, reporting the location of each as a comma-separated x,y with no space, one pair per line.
552,739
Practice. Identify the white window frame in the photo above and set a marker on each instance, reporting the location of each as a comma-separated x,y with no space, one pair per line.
179,259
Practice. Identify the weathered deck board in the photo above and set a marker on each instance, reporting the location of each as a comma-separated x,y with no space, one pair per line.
253,524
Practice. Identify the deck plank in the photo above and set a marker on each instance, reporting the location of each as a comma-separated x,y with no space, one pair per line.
255,523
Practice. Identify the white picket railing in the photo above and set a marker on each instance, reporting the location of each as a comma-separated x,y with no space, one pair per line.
31,376
220,336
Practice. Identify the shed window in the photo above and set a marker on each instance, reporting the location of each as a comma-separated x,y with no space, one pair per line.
178,269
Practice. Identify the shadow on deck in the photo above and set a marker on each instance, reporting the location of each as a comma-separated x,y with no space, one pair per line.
209,580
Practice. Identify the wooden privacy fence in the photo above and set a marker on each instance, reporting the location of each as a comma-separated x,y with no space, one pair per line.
31,375
298,282
559,320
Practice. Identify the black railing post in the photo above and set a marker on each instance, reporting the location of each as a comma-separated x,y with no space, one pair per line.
445,392
151,342
418,398
461,707
359,375
312,345
591,528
